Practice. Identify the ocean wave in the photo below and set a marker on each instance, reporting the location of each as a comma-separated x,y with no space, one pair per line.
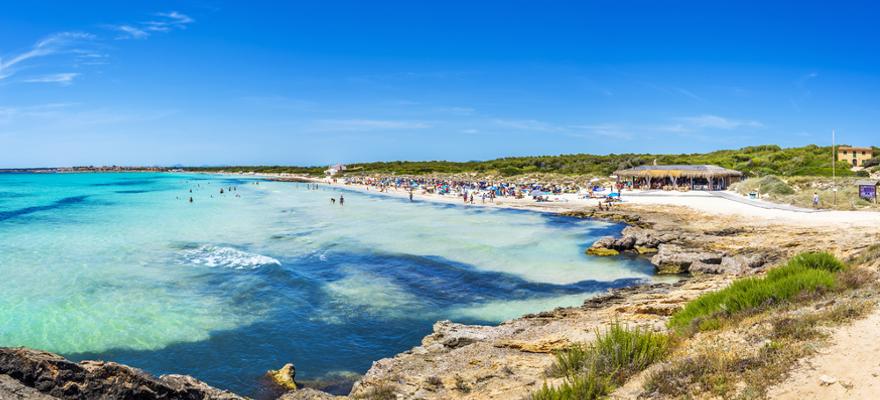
226,257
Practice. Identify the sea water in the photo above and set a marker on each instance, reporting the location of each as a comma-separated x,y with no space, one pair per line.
123,267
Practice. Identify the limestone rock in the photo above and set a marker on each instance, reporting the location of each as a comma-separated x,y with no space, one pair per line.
673,259
541,346
284,377
54,376
308,394
826,380
735,265
452,335
602,252
645,250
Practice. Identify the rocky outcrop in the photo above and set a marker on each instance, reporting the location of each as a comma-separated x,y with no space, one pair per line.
284,377
734,265
33,374
674,259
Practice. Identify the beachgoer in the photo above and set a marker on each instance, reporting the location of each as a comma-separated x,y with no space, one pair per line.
190,199
341,200
332,200
410,195
815,200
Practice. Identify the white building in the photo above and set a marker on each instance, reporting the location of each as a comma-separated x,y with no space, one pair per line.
334,169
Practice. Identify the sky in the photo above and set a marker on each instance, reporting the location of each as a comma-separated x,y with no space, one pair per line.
318,82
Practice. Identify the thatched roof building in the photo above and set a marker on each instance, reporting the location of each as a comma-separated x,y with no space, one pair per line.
706,177
678,171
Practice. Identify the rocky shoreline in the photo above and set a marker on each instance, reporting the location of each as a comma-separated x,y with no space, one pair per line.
491,362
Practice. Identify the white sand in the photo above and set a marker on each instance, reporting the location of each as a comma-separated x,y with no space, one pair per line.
848,369
701,201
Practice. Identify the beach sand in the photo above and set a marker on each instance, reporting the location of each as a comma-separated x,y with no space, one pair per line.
704,202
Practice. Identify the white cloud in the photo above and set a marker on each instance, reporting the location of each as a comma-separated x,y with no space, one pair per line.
614,131
707,121
164,22
64,78
367,125
53,44
528,125
130,32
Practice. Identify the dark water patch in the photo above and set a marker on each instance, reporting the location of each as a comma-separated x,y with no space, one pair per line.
61,203
13,195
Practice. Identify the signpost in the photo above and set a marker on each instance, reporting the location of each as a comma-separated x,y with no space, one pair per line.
868,190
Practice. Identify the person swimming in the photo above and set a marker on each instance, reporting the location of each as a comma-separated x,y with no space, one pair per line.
190,199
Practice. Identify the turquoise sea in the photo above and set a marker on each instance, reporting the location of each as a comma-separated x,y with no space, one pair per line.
121,267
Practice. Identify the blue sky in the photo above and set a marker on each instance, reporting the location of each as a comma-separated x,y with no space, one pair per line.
214,82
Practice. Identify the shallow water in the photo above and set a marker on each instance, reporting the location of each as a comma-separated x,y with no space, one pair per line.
121,267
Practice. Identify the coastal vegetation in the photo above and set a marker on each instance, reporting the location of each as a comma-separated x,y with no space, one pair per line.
753,161
734,342
593,370
808,272
799,190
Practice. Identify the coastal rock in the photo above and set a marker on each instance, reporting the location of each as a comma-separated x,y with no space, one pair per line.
734,265
673,259
309,394
284,377
645,250
602,252
452,335
54,376
11,389
641,237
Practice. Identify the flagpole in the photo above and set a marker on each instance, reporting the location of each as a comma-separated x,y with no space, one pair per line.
834,165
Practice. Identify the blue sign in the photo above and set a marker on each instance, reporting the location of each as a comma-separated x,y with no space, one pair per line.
868,192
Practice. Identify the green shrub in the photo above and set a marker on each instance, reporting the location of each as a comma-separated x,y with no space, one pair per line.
587,386
808,272
818,260
593,370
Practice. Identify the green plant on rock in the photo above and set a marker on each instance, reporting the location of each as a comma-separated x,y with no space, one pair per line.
593,370
807,272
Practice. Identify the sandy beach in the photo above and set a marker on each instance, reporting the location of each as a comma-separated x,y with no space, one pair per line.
756,211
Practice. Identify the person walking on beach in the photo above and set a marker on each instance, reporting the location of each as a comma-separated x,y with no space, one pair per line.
410,195
815,200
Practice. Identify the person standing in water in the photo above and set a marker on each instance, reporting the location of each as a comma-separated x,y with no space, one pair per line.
341,200
410,195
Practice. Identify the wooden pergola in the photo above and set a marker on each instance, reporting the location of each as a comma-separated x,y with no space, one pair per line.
694,177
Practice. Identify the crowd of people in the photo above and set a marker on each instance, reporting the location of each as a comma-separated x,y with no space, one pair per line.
471,191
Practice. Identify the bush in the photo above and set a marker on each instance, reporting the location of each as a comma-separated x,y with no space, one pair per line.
808,272
593,370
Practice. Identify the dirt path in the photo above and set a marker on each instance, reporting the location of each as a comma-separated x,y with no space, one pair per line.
848,369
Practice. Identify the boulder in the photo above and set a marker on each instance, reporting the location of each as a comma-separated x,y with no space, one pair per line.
54,376
284,377
641,237
732,265
602,252
672,259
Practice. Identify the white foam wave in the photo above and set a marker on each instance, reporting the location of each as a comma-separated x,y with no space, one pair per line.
226,257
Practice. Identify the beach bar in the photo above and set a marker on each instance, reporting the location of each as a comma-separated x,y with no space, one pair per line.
678,177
